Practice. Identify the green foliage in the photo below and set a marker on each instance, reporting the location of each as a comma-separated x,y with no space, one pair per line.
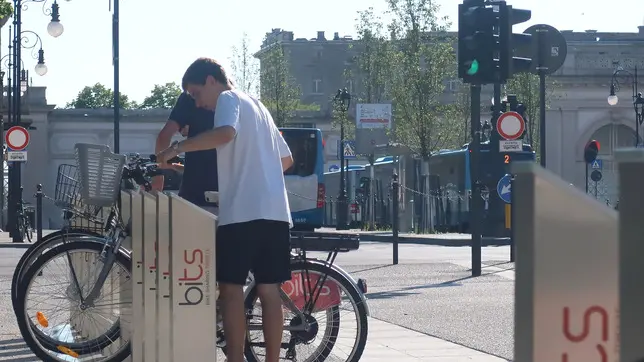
99,96
6,9
526,87
423,60
245,67
279,91
162,96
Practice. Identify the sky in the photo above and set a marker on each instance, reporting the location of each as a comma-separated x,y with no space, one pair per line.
160,38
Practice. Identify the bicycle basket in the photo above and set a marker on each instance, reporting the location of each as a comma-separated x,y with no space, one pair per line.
67,190
100,173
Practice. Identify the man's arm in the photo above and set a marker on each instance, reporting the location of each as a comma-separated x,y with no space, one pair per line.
287,162
165,135
226,125
285,152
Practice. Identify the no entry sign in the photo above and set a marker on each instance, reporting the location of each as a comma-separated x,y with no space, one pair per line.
17,138
510,125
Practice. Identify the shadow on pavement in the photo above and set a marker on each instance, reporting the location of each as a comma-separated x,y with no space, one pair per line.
408,290
15,350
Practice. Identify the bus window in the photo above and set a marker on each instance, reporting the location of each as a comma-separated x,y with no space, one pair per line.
304,147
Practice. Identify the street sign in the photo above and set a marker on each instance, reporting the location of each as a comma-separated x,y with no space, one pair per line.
596,175
17,156
17,138
504,189
596,165
334,168
510,125
510,145
349,149
548,53
372,116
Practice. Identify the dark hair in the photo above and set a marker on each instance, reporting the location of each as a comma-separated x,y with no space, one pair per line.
200,69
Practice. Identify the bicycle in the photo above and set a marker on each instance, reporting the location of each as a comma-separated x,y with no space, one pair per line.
306,291
67,198
25,219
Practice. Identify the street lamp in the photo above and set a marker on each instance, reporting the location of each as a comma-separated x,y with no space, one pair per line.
20,85
342,101
638,101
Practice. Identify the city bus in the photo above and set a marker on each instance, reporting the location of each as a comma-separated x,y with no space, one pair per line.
305,179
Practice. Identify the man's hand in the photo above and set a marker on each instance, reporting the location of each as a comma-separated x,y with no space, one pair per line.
165,155
157,183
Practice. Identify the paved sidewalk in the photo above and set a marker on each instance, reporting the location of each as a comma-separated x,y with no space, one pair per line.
389,342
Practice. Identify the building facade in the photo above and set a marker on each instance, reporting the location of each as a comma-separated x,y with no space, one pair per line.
578,112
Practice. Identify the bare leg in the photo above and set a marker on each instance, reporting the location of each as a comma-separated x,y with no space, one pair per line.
273,319
234,319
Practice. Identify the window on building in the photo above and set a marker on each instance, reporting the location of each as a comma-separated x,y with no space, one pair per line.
317,86
453,85
350,86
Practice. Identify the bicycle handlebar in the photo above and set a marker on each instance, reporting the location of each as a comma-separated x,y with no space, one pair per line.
140,171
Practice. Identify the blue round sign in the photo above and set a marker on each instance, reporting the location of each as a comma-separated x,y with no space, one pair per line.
504,189
334,168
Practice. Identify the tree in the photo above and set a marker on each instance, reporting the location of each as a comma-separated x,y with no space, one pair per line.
162,96
99,96
526,87
244,66
279,91
424,60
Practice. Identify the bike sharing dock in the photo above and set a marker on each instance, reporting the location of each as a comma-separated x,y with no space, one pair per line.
578,286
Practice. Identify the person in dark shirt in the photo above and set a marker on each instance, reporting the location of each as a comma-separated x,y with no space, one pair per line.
200,168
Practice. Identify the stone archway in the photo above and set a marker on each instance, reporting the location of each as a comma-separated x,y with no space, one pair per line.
611,137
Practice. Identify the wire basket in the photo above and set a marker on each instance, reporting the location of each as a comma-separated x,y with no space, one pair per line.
100,173
76,213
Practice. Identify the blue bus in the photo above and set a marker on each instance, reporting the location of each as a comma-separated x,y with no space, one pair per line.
450,170
305,179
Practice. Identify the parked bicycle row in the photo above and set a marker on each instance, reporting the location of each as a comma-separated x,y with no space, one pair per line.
71,291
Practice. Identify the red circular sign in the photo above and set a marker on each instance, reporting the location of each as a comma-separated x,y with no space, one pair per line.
17,138
510,125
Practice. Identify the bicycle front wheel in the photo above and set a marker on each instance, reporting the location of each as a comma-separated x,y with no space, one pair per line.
324,317
76,328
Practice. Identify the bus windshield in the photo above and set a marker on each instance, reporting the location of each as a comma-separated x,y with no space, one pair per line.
304,147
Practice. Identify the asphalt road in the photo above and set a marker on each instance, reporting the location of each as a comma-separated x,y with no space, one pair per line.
430,291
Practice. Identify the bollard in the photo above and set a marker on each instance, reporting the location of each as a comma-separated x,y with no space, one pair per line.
394,224
38,225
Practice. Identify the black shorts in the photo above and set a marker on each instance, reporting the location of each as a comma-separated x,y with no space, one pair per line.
260,246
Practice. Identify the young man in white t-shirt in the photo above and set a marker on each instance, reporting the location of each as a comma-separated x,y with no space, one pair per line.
254,215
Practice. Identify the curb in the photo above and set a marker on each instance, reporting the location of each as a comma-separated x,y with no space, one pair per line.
436,241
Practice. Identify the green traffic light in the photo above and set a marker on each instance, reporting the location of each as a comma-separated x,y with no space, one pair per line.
474,68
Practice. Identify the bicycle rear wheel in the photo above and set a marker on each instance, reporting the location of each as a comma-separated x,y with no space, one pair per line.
335,296
98,340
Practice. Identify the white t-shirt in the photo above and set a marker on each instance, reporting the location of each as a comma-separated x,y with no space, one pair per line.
251,181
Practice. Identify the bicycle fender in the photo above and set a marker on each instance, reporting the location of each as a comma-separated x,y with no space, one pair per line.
345,274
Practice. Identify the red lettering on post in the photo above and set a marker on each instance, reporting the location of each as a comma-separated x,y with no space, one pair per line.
586,328
588,313
191,259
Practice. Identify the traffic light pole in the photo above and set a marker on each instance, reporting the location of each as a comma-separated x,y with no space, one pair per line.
476,203
541,35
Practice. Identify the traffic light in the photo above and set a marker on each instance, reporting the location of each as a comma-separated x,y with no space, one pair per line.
590,151
509,42
477,42
364,185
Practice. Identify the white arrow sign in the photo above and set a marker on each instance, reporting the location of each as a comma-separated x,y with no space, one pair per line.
506,189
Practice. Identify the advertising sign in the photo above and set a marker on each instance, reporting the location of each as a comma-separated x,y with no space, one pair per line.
373,116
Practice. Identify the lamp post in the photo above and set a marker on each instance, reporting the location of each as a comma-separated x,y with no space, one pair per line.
342,101
638,101
23,39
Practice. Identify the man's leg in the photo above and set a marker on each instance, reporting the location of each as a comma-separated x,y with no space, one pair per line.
272,268
233,265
